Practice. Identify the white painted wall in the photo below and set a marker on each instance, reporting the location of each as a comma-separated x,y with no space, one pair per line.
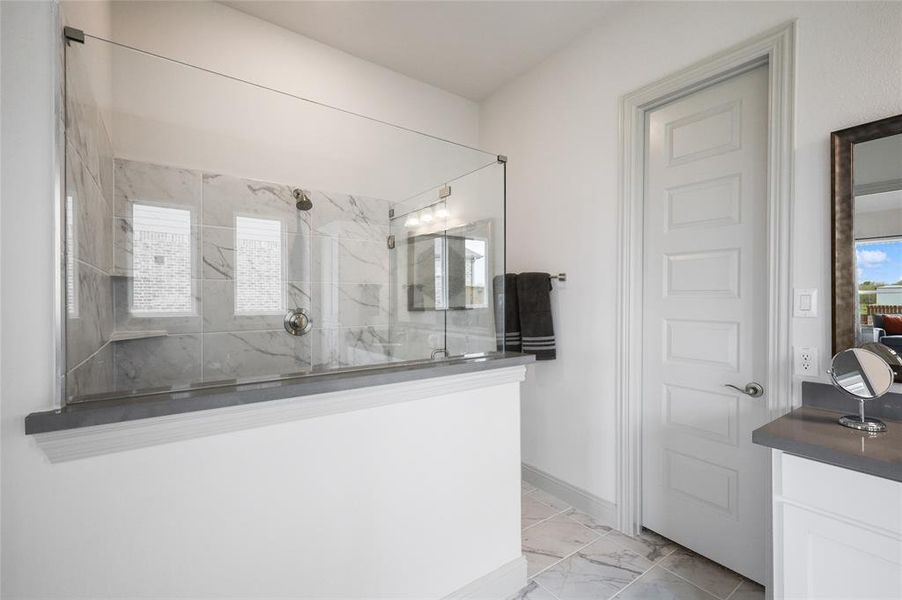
411,500
878,223
559,125
878,161
165,113
217,37
414,499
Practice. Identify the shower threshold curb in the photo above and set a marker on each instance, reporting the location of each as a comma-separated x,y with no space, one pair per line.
132,408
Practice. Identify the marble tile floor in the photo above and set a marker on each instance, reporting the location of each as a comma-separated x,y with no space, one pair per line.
571,557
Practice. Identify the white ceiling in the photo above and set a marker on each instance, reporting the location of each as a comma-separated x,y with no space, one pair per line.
470,48
882,201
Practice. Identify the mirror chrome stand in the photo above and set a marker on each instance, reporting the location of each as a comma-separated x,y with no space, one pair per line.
863,375
862,422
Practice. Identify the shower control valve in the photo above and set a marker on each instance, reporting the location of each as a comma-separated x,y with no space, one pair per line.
297,322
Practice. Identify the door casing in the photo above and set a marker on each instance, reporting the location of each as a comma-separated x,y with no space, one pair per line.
776,49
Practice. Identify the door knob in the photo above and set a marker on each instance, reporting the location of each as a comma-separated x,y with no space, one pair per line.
753,389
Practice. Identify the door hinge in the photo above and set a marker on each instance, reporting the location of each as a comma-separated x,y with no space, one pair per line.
390,242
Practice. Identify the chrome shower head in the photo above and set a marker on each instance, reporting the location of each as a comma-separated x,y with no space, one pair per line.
303,200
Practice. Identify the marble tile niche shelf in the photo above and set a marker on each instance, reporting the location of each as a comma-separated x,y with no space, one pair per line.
124,336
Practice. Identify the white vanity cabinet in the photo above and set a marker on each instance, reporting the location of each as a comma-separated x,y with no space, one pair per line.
837,532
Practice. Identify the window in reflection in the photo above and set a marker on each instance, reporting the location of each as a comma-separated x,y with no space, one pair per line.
258,268
441,274
447,272
161,260
71,288
475,273
879,272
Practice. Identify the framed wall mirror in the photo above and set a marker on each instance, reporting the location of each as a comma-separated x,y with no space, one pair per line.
867,235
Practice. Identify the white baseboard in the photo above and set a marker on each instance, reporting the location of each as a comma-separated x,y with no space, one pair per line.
603,511
500,584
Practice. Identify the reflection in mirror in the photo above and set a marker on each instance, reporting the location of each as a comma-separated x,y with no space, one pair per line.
449,270
862,375
877,228
867,235
892,358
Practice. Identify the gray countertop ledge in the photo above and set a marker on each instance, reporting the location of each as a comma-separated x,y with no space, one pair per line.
130,408
812,432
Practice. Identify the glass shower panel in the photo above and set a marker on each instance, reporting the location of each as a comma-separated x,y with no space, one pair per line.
475,223
204,213
449,247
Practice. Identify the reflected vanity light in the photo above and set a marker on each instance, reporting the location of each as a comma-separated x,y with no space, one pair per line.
425,216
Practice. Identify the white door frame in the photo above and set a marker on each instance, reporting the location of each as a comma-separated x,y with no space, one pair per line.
775,48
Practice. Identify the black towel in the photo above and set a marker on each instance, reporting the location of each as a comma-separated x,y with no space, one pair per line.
536,326
507,313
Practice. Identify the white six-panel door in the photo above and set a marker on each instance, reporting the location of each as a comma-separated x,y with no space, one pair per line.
704,322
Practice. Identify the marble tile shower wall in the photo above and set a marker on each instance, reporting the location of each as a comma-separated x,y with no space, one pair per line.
334,264
89,256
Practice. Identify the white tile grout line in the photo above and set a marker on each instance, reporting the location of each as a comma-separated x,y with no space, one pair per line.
542,521
562,559
564,511
547,591
659,563
529,493
710,593
558,514
736,589
653,565
583,547
727,597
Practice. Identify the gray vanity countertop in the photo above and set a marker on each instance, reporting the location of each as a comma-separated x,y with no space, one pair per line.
117,410
813,433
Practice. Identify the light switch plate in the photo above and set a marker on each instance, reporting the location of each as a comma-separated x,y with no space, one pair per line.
804,302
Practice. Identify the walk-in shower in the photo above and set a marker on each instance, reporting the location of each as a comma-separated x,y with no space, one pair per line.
219,232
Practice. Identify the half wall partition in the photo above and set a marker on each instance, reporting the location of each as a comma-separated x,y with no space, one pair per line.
220,232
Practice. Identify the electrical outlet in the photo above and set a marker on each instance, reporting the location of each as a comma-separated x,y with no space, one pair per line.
806,362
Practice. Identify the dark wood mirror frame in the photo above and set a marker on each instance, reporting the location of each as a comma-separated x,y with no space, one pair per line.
843,243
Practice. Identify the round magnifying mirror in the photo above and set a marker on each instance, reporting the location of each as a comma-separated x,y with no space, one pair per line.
864,376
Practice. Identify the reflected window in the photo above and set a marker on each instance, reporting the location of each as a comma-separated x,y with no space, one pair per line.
475,273
879,273
161,260
447,272
441,274
71,273
258,268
